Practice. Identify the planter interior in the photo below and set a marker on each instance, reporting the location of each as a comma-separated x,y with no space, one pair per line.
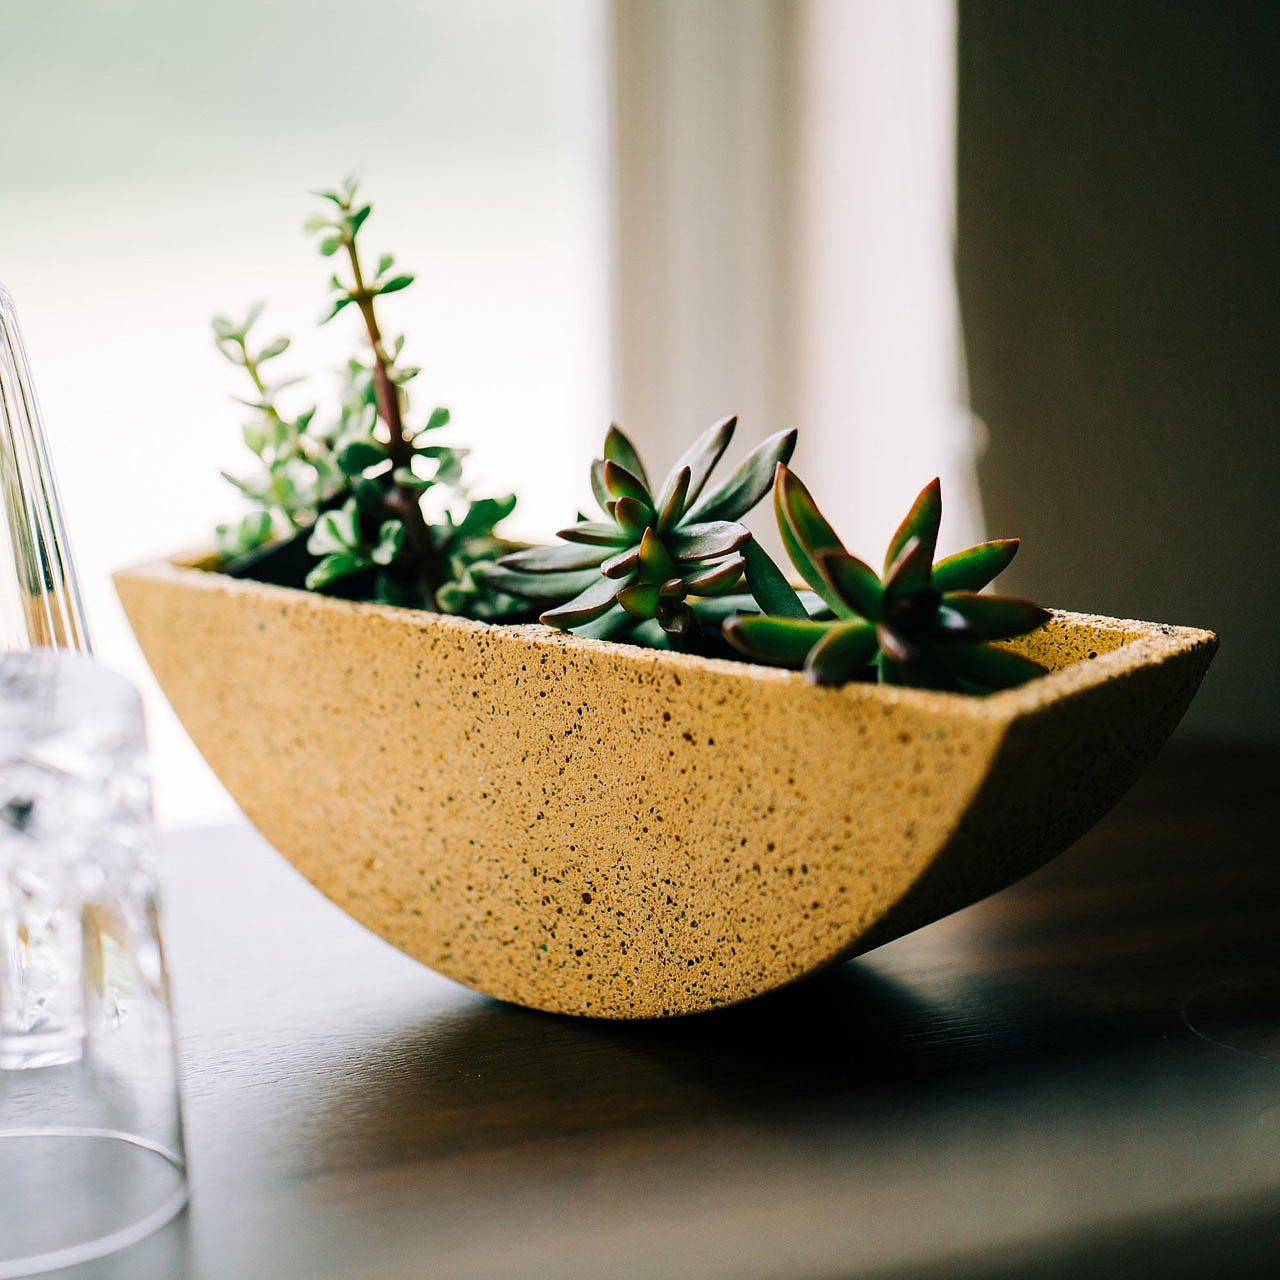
601,829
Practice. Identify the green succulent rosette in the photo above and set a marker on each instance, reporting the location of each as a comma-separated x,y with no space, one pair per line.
657,556
922,624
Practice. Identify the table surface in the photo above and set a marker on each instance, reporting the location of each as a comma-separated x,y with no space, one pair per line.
1081,1074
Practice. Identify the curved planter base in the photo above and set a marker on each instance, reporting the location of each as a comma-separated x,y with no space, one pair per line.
601,829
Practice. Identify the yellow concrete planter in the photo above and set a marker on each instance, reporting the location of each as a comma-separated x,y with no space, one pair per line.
600,829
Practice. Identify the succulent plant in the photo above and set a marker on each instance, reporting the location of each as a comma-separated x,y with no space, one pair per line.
656,553
923,624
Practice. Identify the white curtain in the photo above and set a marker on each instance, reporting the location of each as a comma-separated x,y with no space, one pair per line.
784,219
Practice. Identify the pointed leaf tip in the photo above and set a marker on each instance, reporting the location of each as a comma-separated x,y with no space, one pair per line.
975,567
922,521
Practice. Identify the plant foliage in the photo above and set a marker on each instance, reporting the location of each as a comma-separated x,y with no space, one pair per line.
921,624
355,487
657,555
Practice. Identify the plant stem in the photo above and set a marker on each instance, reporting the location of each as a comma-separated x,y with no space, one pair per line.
403,501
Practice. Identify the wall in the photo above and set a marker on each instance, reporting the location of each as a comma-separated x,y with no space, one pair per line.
1118,241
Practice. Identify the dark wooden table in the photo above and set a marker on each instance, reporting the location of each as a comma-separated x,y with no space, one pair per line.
1078,1076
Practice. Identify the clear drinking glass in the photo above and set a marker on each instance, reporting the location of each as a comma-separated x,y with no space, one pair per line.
91,1148
91,1151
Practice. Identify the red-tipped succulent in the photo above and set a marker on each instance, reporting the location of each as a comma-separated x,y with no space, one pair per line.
922,624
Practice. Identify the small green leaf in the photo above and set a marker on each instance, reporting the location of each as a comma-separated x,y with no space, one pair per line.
333,567
701,458
356,456
345,301
483,514
330,245
256,438
640,600
620,483
671,504
595,533
856,585
598,488
538,586
772,592
335,531
390,542
439,418
975,567
656,566
619,449
395,284
842,654
592,603
704,541
804,530
910,573
354,221
780,642
385,263
544,559
748,484
921,522
633,515
717,579
965,616
624,563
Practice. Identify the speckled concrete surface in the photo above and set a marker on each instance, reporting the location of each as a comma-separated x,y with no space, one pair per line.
599,829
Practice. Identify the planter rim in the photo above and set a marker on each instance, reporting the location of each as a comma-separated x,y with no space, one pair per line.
1143,642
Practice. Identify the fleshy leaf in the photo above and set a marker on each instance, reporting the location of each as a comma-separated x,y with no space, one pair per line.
965,616
701,457
596,600
772,592
973,568
537,586
622,484
718,579
749,483
598,488
841,654
804,531
910,572
639,600
656,565
855,583
921,522
633,515
618,448
672,501
551,559
331,568
988,666
704,541
595,533
623,563
780,642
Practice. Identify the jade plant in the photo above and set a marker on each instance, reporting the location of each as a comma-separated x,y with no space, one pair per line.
351,490
370,501
921,624
659,556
